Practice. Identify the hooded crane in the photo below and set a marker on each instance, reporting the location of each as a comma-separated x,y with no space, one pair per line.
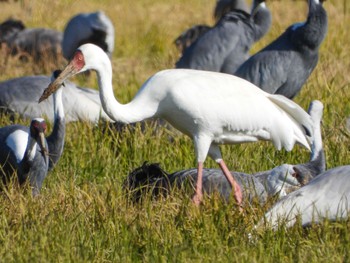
20,96
284,65
212,108
95,28
25,151
280,180
225,47
192,34
37,42
42,43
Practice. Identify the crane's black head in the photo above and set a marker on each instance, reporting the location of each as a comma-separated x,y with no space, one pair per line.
10,27
146,179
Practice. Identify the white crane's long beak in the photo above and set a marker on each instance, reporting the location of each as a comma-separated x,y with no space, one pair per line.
68,71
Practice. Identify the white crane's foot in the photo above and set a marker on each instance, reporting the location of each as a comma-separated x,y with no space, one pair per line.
197,199
238,196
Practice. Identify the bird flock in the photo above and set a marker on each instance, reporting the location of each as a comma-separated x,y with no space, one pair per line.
217,94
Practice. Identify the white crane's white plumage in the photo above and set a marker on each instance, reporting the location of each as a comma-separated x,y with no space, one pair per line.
285,178
325,197
212,108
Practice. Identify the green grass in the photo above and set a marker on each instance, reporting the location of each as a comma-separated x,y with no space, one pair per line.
83,214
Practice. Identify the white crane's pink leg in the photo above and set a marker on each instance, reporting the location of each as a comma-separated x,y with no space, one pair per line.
235,187
198,196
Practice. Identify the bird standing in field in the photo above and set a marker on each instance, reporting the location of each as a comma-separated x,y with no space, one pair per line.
26,152
212,108
281,180
225,47
95,28
192,34
284,65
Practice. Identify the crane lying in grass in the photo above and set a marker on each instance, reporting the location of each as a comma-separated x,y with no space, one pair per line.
20,96
325,197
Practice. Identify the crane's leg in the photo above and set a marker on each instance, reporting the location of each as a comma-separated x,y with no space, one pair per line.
215,153
201,145
198,196
236,189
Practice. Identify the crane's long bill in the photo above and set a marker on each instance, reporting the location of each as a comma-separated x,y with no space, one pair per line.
69,71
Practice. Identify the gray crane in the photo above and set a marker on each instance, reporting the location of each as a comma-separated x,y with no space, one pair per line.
225,47
38,43
280,180
325,197
21,95
42,43
284,65
95,28
192,34
26,152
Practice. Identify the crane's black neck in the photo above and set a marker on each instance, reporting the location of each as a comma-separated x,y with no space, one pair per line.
262,22
311,34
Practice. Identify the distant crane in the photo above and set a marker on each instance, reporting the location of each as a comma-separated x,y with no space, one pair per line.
95,28
284,65
192,34
20,96
226,46
43,43
40,43
212,108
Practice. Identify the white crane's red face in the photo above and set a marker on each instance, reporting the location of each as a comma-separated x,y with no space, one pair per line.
74,67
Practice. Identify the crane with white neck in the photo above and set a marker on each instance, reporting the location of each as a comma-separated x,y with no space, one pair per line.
212,108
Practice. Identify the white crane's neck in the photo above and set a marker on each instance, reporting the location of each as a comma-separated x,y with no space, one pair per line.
58,105
127,113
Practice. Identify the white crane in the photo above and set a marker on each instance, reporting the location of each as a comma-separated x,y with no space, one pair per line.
212,108
280,180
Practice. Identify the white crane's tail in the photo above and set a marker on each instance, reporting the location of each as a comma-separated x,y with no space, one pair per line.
300,116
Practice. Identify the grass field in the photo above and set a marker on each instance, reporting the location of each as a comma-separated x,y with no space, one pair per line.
83,214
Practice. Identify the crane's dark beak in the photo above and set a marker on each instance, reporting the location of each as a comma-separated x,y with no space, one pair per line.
69,71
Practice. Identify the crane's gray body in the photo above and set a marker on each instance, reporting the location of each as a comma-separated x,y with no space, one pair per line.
284,65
